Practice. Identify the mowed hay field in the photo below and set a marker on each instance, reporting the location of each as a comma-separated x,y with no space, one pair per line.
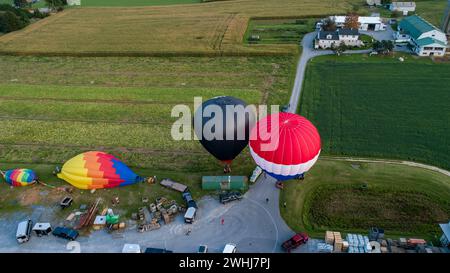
354,196
380,107
209,28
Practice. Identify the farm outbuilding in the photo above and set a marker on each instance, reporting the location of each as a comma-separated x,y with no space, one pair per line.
424,38
224,182
371,23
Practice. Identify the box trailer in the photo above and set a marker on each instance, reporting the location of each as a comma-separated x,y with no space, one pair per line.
224,182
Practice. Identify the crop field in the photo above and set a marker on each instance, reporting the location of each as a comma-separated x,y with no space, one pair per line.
134,3
52,108
354,196
380,107
209,28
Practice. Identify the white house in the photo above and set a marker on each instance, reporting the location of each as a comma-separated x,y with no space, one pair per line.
372,23
329,39
424,38
403,7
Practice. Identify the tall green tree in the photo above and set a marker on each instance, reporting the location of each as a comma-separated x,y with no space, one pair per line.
55,4
9,22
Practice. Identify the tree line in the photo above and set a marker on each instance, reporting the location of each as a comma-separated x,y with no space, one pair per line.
19,15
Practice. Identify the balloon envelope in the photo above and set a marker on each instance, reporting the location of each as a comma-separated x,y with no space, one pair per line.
233,130
20,177
97,170
296,145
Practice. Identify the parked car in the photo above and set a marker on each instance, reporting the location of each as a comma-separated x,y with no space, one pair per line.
23,233
66,202
65,233
285,108
202,249
229,196
189,216
256,173
157,250
229,248
296,241
189,200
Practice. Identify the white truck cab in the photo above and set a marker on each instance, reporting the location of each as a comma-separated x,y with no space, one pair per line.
190,215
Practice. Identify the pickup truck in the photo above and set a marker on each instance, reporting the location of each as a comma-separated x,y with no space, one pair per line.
189,200
296,241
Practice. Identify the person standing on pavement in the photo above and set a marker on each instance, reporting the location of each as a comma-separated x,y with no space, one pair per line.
222,221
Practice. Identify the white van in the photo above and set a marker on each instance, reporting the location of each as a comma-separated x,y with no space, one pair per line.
229,248
24,231
190,215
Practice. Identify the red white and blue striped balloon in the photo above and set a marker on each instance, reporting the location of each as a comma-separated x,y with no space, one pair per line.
297,150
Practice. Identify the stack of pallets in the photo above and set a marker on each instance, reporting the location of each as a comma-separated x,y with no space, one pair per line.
338,243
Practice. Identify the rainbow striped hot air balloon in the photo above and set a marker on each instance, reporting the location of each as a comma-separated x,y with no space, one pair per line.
20,177
97,170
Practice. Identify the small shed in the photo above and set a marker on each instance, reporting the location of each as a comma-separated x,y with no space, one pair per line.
168,183
224,182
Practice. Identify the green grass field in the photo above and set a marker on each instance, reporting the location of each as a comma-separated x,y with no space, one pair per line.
380,107
405,201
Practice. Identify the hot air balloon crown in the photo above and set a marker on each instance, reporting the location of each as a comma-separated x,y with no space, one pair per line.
222,133
296,145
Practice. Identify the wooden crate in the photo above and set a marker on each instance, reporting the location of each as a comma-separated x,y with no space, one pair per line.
329,237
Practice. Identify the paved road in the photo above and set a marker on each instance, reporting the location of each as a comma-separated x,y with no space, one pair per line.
307,54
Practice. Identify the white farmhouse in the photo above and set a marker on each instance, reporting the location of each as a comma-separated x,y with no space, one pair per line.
330,39
403,7
424,38
371,23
